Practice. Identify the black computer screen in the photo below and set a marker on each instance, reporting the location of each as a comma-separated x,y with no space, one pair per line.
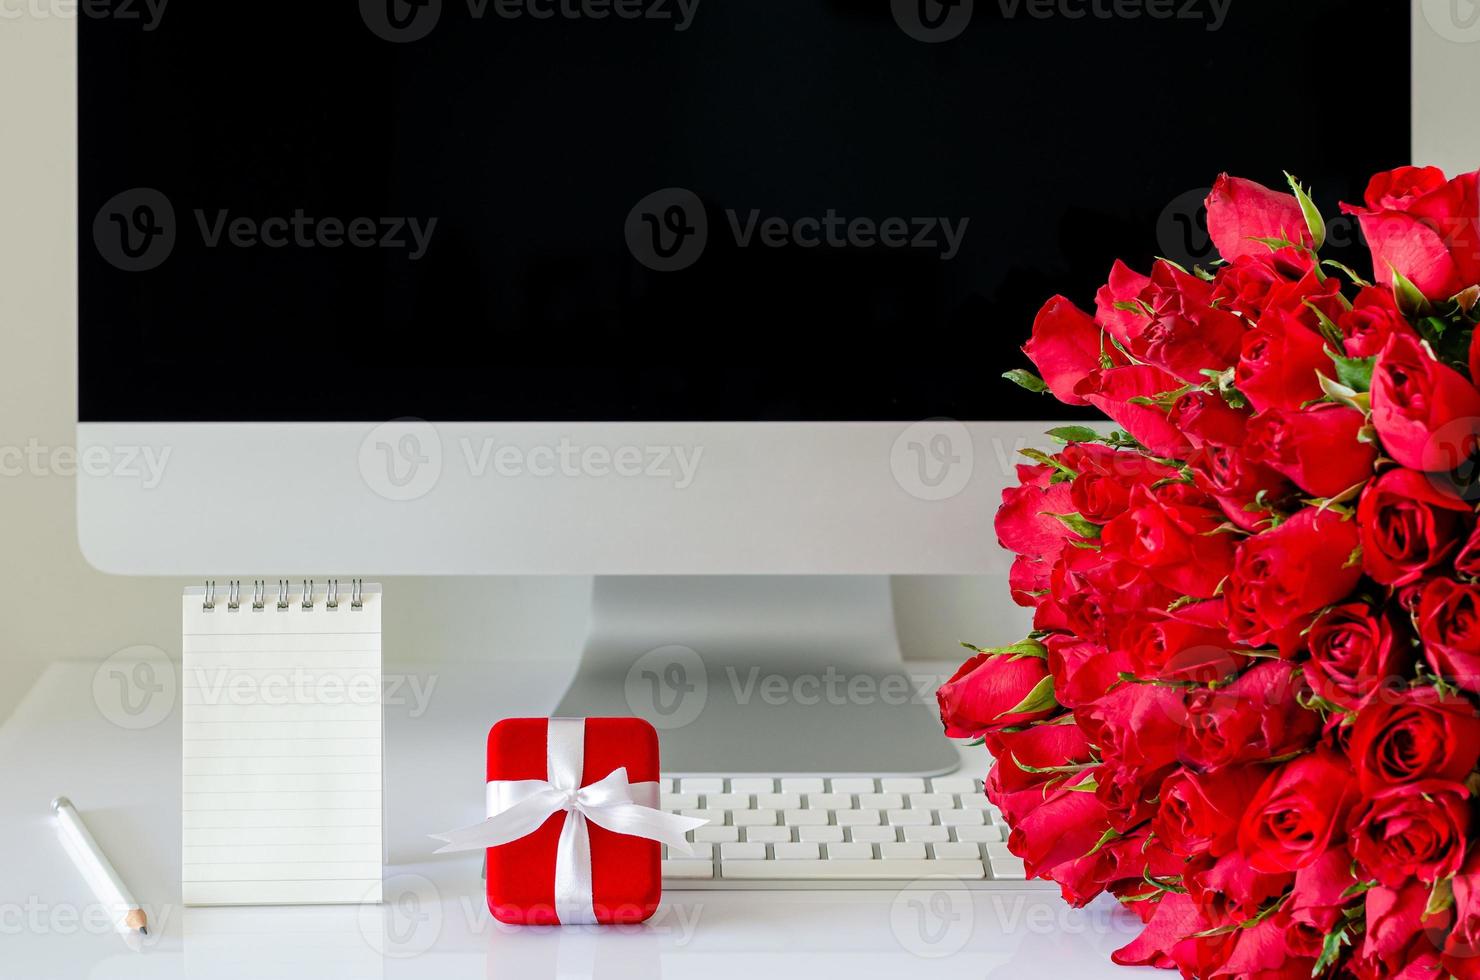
669,209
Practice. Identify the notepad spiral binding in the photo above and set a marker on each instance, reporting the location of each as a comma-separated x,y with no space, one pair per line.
307,603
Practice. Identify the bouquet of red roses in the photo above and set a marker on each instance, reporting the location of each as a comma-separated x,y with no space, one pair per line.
1248,706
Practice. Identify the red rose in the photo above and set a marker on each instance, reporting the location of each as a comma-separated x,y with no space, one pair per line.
1084,670
1024,523
1412,831
1425,413
1462,948
1063,828
1353,654
1244,489
1184,334
1067,347
1189,643
1423,228
1299,812
1373,318
1175,918
1400,937
1321,895
1171,535
1449,623
1407,526
1135,725
1207,418
1115,303
1229,890
1240,212
1280,361
1281,576
1316,447
1102,489
1111,392
1244,285
1199,812
988,692
1029,763
1414,735
1467,559
1256,718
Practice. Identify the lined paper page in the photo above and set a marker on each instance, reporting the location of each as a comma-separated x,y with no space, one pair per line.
282,751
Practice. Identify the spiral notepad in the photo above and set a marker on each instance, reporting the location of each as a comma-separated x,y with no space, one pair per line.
283,768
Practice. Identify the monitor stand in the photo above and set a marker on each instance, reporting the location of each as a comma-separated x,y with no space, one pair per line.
760,675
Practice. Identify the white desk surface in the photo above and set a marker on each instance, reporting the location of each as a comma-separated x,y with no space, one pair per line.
434,923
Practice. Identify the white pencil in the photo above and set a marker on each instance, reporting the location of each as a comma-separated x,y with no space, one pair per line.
97,869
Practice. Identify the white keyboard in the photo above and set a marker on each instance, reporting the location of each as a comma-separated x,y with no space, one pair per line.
840,831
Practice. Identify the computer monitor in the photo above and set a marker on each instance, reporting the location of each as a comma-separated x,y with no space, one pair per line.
644,288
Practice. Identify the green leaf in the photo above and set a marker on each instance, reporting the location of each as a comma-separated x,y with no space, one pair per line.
1079,525
1331,950
1039,699
1346,271
1340,393
1313,219
1329,329
1026,379
1411,299
1109,835
1354,372
1074,433
1041,457
1441,897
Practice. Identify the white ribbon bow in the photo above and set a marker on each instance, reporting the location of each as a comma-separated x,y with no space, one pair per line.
517,808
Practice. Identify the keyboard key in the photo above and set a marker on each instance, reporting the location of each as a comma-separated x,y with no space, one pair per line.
880,801
702,852
873,835
665,785
768,835
744,852
801,784
778,801
999,851
977,835
716,835
797,852
1009,869
715,817
686,869
928,835
959,852
955,784
829,801
807,818
678,801
851,784
931,801
754,818
727,801
911,818
752,785
902,852
701,784
844,870
907,784
857,818
821,835
975,801
962,818
850,852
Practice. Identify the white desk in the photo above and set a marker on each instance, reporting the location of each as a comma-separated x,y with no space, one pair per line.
434,923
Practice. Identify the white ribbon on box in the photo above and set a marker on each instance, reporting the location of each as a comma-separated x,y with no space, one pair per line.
519,807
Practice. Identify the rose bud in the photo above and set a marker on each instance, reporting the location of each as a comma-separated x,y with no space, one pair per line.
1280,363
1423,227
1116,304
1174,918
1086,669
1271,947
1170,533
1111,392
1065,827
1283,575
1024,523
1322,892
1244,489
1185,335
1467,559
1426,413
1256,718
1401,934
1412,831
1189,643
1106,477
993,691
1415,735
1230,889
1353,654
1298,813
1066,347
1135,725
1244,285
1199,812
1408,526
1300,444
1240,212
1449,624
1462,948
1208,418
1373,318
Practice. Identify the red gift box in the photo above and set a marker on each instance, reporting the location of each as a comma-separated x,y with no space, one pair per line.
626,880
